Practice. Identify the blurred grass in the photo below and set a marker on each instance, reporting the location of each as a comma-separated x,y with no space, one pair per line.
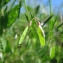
30,50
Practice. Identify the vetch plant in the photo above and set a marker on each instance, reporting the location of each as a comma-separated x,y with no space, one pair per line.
40,41
34,24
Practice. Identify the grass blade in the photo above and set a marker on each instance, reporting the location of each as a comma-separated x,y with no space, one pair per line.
55,21
59,26
47,20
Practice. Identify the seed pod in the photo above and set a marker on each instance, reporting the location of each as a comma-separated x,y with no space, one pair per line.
41,34
39,24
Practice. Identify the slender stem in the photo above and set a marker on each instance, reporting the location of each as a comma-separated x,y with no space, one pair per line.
50,6
27,11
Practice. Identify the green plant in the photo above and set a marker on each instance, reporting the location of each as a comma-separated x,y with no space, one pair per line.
25,38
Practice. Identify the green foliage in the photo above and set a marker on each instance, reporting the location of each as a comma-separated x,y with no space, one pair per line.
52,52
23,35
41,35
12,16
3,42
40,41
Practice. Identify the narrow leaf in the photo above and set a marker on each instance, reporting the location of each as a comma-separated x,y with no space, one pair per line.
23,35
48,19
12,16
59,26
37,10
20,4
27,17
55,21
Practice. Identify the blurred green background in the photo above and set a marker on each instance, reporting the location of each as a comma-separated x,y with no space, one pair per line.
23,24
